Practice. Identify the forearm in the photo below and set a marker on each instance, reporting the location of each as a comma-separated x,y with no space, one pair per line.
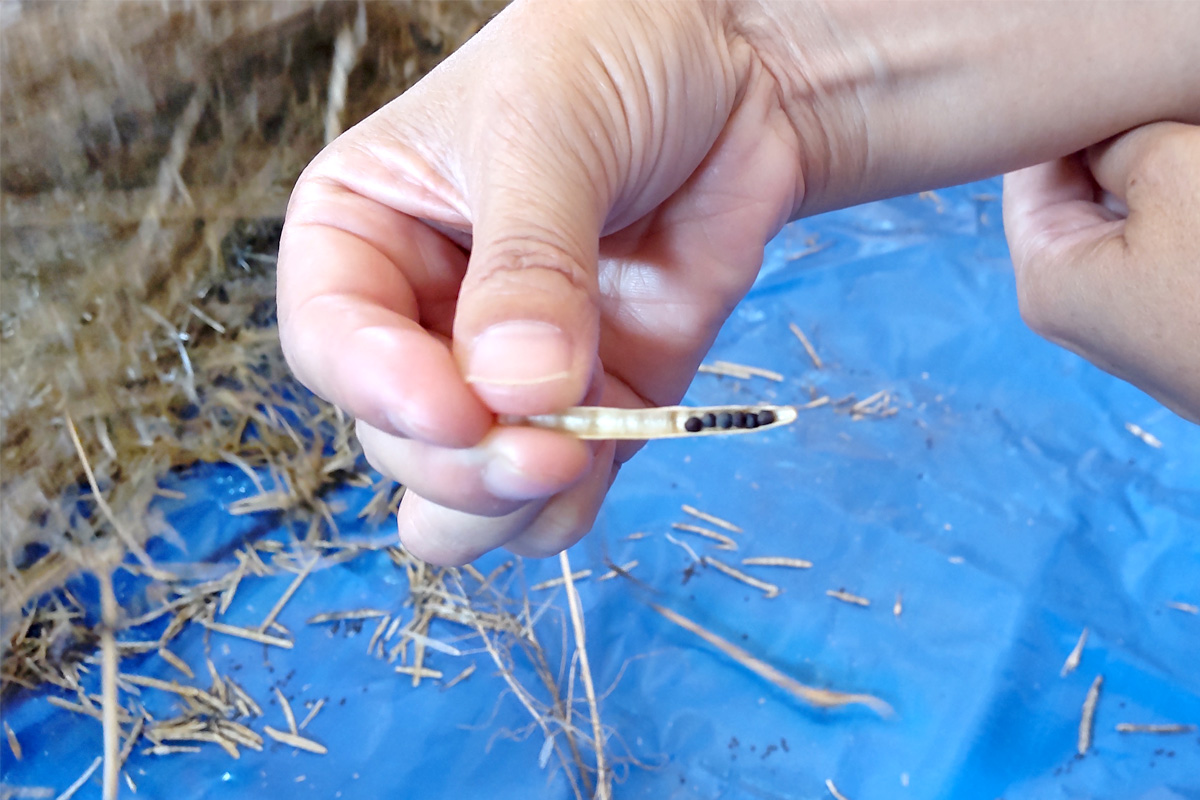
894,97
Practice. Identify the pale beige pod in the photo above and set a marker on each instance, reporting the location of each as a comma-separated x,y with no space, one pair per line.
668,422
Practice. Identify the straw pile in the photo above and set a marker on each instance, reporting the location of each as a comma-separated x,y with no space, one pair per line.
148,150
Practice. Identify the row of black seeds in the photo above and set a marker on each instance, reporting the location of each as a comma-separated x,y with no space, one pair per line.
726,420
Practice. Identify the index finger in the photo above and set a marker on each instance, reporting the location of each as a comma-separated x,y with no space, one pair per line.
361,289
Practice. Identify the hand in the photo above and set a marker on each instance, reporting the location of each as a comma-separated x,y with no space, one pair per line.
567,209
614,173
1107,257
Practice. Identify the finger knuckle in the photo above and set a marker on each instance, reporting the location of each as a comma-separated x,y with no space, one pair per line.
531,256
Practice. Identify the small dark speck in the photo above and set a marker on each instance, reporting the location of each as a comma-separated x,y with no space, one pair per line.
733,742
1153,764
752,748
784,745
928,442
1160,751
770,749
745,636
682,779
1170,754
342,702
1058,770
691,597
364,690
1122,704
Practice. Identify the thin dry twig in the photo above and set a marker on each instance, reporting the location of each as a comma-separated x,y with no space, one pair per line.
286,707
806,344
125,536
822,698
245,633
1169,728
80,781
769,590
295,740
603,779
552,582
777,561
108,681
1087,718
14,744
460,677
723,541
710,519
833,790
312,712
847,597
287,594
1075,655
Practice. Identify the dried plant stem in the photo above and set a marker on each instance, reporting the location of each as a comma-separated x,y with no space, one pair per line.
847,597
603,784
287,594
1133,727
1087,718
833,790
777,561
806,344
1076,654
108,682
346,49
822,698
134,546
769,590
80,781
723,541
295,740
710,519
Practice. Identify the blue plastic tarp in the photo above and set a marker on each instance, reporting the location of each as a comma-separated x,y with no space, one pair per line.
1005,501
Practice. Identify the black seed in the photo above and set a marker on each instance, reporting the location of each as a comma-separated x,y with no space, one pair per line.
693,424
751,420
709,420
724,420
739,419
766,417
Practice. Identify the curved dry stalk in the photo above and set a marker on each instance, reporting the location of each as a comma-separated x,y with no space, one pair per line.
603,784
822,698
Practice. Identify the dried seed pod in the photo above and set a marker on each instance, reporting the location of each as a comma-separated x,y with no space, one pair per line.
668,422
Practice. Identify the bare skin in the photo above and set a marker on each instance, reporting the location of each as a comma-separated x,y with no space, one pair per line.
568,208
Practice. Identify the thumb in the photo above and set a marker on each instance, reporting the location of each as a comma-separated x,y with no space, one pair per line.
526,327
